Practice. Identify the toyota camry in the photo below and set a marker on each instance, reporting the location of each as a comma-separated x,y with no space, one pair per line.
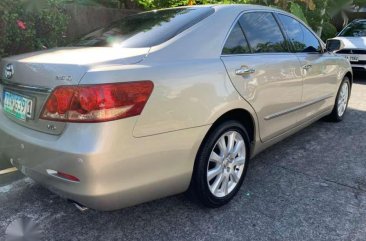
165,102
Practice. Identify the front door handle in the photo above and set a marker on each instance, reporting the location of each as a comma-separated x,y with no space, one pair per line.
244,71
306,67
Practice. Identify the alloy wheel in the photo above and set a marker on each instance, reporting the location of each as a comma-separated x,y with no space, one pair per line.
226,163
342,99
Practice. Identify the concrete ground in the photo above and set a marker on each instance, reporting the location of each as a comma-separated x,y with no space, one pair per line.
311,186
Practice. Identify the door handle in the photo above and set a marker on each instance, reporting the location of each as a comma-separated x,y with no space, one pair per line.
244,71
306,67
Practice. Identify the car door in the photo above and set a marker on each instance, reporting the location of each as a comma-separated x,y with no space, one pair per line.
264,72
318,67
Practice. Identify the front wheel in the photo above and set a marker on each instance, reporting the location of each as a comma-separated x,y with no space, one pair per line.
341,103
221,164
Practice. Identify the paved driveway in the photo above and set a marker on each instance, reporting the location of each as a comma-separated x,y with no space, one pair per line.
312,186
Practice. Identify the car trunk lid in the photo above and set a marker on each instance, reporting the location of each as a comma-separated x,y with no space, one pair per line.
30,78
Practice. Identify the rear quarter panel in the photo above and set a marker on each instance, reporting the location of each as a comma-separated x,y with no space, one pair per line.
186,94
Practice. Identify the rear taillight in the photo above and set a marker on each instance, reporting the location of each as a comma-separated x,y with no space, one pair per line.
97,103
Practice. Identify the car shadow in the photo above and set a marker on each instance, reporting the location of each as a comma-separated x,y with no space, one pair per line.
359,77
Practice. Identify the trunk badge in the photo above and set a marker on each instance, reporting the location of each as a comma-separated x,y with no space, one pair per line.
9,71
64,78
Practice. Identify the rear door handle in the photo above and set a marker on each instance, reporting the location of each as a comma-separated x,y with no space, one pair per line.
244,71
308,66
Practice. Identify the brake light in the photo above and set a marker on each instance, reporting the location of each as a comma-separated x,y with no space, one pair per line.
97,103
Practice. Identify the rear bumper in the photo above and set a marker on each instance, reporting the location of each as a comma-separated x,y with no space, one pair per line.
115,169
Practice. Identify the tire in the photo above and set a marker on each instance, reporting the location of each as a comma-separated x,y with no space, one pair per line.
341,102
202,186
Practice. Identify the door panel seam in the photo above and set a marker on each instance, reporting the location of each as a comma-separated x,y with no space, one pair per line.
306,104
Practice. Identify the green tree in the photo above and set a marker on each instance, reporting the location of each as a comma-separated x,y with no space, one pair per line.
28,25
316,13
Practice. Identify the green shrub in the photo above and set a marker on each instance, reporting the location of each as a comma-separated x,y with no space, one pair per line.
31,25
105,3
153,4
329,31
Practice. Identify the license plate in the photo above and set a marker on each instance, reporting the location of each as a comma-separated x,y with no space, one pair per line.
18,106
352,58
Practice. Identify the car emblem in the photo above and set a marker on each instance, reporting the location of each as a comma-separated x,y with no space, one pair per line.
9,71
64,78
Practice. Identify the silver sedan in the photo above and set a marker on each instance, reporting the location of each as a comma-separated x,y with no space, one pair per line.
166,101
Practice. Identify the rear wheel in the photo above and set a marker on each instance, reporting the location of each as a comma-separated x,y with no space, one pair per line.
221,164
341,102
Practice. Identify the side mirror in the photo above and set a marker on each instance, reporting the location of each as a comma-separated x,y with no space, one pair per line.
334,45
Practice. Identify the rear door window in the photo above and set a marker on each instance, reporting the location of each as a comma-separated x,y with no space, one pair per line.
236,42
263,33
303,41
146,29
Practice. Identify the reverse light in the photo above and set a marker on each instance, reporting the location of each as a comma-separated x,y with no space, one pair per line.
97,103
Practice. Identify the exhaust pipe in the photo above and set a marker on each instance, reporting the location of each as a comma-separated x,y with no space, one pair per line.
79,206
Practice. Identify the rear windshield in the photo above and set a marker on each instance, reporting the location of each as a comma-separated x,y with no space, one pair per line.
146,29
355,29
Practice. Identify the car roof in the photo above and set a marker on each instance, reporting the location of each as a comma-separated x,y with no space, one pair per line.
235,7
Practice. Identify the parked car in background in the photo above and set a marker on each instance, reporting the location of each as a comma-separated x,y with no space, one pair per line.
165,101
353,47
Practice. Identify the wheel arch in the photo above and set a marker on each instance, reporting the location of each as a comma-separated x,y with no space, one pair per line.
238,114
350,76
243,116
